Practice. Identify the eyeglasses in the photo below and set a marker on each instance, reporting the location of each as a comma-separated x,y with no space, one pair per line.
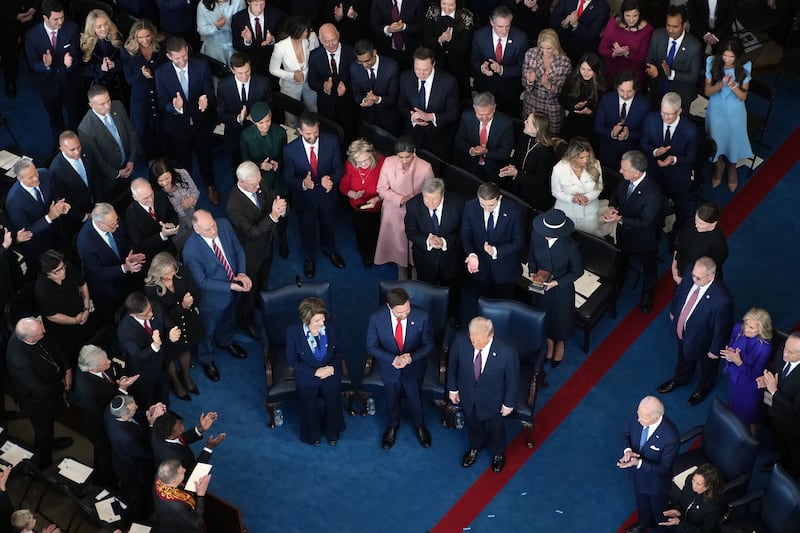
363,162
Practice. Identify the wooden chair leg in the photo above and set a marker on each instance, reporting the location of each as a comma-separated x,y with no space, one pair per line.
271,410
350,395
528,428
363,397
442,406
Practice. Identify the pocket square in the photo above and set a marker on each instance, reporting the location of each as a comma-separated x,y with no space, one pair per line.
654,448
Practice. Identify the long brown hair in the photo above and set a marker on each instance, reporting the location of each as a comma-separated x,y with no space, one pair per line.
734,45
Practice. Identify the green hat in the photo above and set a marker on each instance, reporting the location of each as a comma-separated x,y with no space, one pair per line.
259,111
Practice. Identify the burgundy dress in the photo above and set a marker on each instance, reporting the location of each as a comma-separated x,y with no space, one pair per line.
746,399
637,41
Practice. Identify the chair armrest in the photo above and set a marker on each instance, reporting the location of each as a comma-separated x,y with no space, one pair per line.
368,364
692,434
743,501
736,482
268,368
533,389
443,366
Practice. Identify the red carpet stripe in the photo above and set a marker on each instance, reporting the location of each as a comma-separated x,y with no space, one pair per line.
608,353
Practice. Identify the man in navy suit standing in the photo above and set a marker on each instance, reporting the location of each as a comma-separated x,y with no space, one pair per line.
671,142
375,86
254,30
400,338
75,178
187,102
619,118
217,262
484,139
492,236
651,443
579,24
429,104
54,56
397,27
496,59
702,315
329,76
482,378
313,168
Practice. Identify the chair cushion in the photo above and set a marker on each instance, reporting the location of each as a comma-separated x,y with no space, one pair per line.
592,309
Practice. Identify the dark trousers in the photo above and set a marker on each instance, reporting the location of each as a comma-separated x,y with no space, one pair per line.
788,445
491,431
219,325
309,217
104,472
60,103
651,508
436,140
184,142
435,275
413,393
649,269
366,225
9,50
311,425
487,288
259,275
43,435
680,195
151,387
684,371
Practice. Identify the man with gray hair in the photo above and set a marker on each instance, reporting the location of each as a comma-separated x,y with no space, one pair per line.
483,378
179,510
150,220
635,206
40,377
109,264
484,139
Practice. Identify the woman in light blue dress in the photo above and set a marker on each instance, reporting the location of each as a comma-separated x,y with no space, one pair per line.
214,27
727,81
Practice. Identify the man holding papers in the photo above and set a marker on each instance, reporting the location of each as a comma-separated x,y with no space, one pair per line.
177,509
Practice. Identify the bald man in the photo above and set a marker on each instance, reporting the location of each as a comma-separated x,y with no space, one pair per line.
650,444
150,220
329,77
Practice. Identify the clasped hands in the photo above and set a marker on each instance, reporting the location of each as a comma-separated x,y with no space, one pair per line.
652,70
420,118
61,207
435,242
673,518
324,372
580,199
174,335
612,215
202,102
241,283
620,132
370,99
490,67
768,381
402,360
732,356
629,459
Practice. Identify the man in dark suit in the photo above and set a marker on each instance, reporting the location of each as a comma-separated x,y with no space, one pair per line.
254,30
109,265
235,98
254,211
579,24
217,262
618,120
146,335
671,143
375,80
702,315
109,135
482,378
312,167
433,226
187,102
151,220
783,384
17,17
497,55
711,26
329,76
170,440
429,104
484,139
674,60
76,177
397,28
40,378
177,509
128,432
492,236
54,56
651,443
635,206
33,204
400,338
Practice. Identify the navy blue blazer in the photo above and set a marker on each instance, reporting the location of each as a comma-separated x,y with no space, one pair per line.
136,343
259,55
707,330
208,272
606,116
302,360
419,225
412,13
37,42
586,36
319,70
507,237
500,142
443,99
418,342
387,83
296,166
661,448
70,185
24,211
200,83
229,102
684,144
641,220
144,231
498,383
102,269
483,48
129,440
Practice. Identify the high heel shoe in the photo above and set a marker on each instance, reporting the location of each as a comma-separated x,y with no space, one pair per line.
193,389
185,397
554,363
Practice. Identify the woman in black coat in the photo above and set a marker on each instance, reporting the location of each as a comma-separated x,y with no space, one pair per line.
555,257
580,95
447,30
528,173
699,509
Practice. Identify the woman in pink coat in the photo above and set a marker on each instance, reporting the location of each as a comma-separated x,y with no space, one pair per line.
400,180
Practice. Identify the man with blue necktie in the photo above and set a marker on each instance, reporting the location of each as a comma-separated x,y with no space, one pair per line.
75,176
650,443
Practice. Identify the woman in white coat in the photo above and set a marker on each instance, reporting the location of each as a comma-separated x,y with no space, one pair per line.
289,63
576,183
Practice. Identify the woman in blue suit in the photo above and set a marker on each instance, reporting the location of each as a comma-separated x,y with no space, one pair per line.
315,352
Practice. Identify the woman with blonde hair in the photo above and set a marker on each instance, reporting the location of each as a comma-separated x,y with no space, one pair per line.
360,185
100,48
174,288
576,183
544,71
141,56
746,357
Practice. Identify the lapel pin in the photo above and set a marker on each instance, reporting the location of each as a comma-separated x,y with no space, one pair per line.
412,323
708,297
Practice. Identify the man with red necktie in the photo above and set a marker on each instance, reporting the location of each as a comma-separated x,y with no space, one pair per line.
579,24
150,220
397,28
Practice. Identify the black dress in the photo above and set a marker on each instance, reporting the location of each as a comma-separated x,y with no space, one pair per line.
563,261
691,245
578,124
453,55
144,102
534,163
188,320
110,79
698,514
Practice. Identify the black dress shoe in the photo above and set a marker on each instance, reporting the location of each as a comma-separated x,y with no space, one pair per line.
235,350
469,458
211,371
635,528
193,389
62,443
424,436
332,442
454,321
647,303
317,443
11,89
308,269
554,363
185,397
389,436
667,386
498,462
337,260
697,397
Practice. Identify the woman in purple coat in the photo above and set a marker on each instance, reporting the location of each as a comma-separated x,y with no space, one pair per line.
747,354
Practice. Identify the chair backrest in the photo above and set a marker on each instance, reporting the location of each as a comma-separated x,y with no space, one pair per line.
437,164
429,297
599,256
461,182
611,179
518,324
327,125
282,104
81,8
382,140
125,22
728,443
780,505
279,307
